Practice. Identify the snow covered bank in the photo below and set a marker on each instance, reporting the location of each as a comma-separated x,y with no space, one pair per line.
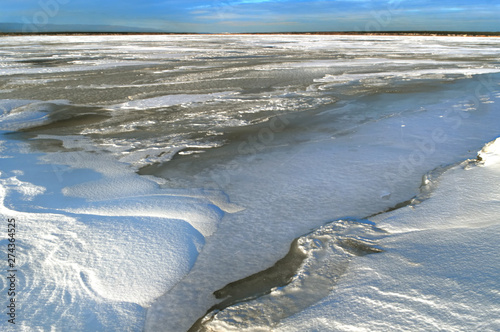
313,265
96,243
440,270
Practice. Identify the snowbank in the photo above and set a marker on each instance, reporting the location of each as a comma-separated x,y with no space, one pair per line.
94,258
440,268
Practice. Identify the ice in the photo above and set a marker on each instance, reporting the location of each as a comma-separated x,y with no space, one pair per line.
77,67
169,100
462,203
415,74
21,114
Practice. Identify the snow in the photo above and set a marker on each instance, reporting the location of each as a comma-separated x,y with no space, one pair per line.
440,268
70,265
96,261
489,154
415,74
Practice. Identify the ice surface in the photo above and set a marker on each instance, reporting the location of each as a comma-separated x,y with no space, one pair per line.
166,101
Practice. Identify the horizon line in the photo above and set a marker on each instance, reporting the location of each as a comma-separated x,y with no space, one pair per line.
347,32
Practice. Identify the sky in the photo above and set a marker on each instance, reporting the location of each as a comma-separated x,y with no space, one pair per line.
211,16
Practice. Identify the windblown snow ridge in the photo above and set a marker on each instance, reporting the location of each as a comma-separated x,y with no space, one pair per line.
311,268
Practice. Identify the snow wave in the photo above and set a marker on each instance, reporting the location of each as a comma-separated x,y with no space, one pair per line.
74,246
304,276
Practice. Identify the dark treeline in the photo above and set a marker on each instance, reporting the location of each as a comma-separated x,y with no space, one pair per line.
369,33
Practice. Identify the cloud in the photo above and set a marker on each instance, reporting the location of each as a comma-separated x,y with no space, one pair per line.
257,24
308,15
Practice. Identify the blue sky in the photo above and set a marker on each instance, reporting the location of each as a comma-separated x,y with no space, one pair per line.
260,15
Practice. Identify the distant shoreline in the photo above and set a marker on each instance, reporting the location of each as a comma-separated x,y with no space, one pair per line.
329,33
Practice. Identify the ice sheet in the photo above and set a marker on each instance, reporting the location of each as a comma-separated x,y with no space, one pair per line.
258,140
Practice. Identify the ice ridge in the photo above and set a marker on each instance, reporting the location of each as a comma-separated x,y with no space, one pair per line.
304,276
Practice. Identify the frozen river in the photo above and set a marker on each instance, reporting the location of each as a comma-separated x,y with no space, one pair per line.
250,183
